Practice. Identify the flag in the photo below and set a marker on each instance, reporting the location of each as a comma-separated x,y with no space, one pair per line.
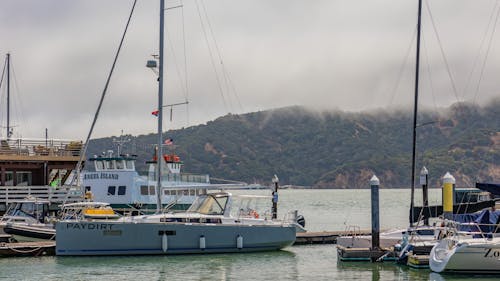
169,142
155,112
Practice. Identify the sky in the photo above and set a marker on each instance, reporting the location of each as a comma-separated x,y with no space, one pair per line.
238,56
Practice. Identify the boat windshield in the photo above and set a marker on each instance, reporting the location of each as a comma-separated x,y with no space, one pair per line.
209,205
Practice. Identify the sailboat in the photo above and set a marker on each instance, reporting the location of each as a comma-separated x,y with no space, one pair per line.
211,225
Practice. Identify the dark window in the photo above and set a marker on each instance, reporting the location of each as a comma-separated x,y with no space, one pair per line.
87,188
144,190
121,190
111,190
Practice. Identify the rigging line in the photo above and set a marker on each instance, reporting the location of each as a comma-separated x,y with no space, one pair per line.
483,40
402,68
225,72
211,56
3,73
431,84
85,146
442,52
177,68
17,98
486,58
186,96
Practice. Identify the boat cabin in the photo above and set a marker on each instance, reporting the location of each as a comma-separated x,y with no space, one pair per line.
31,210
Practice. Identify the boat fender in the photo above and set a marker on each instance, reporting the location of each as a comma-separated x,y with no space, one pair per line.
239,242
202,242
164,242
254,214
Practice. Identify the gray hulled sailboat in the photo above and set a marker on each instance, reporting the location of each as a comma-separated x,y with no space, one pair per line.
211,225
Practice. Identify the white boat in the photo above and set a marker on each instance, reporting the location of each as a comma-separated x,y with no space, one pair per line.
44,229
471,255
215,223
388,238
115,180
27,211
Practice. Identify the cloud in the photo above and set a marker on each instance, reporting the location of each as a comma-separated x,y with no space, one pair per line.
346,54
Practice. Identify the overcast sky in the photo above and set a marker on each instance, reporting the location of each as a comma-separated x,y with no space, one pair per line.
350,55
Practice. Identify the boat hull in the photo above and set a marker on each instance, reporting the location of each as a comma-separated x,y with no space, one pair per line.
129,238
471,255
26,233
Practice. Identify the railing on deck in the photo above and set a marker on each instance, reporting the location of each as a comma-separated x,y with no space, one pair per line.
61,194
41,147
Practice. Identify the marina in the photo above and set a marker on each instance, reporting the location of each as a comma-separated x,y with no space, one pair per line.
71,214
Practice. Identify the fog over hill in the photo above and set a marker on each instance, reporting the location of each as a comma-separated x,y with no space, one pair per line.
334,149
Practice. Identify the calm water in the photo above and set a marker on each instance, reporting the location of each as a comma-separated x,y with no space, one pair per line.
323,210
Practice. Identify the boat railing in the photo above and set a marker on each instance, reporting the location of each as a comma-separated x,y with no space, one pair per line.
61,194
40,147
468,229
352,230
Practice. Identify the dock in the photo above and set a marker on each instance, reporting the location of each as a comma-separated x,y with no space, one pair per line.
23,249
324,237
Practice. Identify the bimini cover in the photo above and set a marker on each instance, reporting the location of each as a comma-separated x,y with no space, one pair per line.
485,221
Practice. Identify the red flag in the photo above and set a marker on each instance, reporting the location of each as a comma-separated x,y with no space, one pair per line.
155,112
169,142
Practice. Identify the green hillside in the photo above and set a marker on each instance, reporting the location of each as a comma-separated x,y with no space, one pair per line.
335,149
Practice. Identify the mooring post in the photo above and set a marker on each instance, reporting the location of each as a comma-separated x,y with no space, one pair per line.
448,186
275,197
424,181
374,185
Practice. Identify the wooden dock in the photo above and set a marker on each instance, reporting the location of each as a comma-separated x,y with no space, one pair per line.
23,249
324,237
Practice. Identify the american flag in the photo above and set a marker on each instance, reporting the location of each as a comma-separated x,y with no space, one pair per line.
169,142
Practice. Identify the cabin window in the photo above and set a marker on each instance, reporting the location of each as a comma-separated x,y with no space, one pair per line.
185,192
120,165
144,190
99,165
166,192
129,164
111,190
152,190
192,192
88,188
121,190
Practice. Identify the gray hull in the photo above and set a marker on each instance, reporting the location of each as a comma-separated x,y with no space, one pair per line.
126,238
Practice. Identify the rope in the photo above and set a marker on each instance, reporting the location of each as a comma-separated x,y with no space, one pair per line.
84,148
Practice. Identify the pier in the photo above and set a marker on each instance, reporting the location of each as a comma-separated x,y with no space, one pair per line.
324,237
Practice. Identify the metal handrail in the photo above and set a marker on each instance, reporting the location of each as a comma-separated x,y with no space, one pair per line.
40,147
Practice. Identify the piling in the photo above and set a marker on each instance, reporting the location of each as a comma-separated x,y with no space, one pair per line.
424,181
275,197
374,185
448,186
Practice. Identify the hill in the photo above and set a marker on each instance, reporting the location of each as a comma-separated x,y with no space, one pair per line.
335,149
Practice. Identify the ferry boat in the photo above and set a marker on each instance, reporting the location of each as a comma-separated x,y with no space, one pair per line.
114,179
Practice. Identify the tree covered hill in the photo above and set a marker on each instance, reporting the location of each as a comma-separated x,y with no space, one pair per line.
335,149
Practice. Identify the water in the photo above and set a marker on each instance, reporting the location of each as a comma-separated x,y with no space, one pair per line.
323,210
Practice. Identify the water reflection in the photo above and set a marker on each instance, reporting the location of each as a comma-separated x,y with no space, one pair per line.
277,265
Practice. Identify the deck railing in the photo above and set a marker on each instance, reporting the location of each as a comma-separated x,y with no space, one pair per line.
61,194
40,147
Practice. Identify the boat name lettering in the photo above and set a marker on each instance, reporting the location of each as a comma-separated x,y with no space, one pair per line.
96,176
492,253
90,226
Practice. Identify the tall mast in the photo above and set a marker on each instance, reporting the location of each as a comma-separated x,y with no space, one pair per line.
8,96
415,110
160,109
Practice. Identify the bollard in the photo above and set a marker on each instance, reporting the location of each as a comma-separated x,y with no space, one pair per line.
424,181
374,185
448,186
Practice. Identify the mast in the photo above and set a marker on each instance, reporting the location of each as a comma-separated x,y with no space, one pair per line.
415,110
160,109
8,96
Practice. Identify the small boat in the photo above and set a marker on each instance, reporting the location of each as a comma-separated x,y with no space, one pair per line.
470,255
30,210
72,211
215,223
